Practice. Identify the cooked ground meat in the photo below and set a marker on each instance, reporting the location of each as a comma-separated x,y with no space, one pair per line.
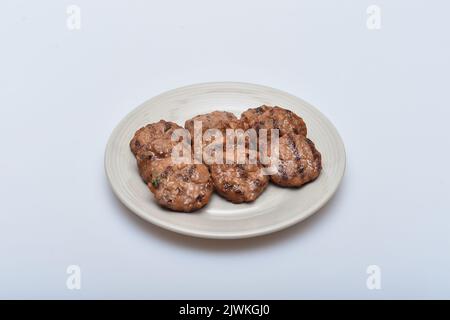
188,187
239,182
240,178
266,117
154,140
299,162
219,120
179,187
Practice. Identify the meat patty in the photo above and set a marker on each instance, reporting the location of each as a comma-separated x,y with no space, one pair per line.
299,161
265,117
239,182
220,120
238,179
154,140
179,187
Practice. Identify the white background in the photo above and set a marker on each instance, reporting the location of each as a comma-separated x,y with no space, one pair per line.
62,92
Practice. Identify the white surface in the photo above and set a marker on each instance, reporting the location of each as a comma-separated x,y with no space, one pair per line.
62,93
275,209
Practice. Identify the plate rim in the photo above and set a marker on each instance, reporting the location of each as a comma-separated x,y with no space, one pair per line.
221,235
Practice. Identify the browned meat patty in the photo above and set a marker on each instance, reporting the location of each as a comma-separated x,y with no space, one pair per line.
179,187
299,162
238,179
266,117
220,120
239,182
154,140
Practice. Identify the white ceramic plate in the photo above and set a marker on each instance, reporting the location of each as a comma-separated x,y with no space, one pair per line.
275,209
